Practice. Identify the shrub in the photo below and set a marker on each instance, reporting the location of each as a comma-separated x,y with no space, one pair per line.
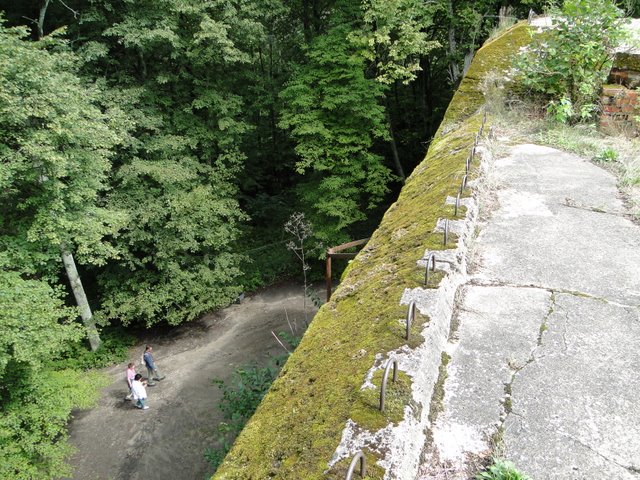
114,348
240,399
568,63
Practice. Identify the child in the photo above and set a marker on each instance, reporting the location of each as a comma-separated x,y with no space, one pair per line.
129,376
139,392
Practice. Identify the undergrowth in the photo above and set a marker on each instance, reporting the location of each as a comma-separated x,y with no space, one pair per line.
240,398
114,349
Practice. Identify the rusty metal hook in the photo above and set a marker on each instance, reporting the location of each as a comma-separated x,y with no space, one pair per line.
411,315
431,259
363,465
446,231
385,377
463,185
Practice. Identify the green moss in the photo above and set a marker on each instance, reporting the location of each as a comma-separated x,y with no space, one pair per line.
298,425
437,400
495,55
366,411
374,472
508,404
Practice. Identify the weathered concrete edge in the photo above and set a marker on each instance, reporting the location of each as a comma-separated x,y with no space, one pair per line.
401,445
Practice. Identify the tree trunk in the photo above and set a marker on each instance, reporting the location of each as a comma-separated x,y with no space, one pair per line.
454,68
81,299
394,147
272,107
306,21
43,12
425,101
143,64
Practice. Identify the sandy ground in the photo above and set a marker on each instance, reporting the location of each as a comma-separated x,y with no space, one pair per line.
117,441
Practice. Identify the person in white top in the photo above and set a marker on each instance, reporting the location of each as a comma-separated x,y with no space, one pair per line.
139,392
129,376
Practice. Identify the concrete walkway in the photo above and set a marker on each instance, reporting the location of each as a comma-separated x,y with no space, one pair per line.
544,365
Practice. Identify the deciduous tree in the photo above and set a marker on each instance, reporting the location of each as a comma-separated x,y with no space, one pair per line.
55,149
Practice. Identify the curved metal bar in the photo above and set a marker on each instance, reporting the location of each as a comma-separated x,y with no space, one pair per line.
475,143
411,315
467,164
354,462
431,259
446,231
385,377
457,205
463,184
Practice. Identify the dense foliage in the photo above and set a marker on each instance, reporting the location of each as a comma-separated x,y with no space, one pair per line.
568,63
164,144
36,396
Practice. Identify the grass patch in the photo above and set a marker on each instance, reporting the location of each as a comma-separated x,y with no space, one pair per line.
501,470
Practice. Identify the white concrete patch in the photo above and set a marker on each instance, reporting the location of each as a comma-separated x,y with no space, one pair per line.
378,363
541,22
532,149
517,204
456,440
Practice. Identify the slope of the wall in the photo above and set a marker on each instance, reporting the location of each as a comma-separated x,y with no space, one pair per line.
295,431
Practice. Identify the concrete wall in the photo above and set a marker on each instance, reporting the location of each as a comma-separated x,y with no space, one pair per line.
329,388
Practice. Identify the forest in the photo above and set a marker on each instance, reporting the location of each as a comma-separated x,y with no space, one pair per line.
152,152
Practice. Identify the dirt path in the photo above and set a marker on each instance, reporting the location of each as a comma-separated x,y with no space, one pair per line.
116,441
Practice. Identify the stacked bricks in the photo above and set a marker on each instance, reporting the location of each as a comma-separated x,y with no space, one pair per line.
628,78
619,110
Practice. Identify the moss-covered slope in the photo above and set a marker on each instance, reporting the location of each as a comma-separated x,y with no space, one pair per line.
296,429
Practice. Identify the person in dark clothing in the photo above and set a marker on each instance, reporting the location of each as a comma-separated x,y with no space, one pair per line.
152,370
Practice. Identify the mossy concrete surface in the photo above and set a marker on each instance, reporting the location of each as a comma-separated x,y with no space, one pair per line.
298,426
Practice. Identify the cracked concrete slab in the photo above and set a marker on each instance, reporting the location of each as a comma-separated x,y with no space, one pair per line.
535,238
487,345
575,410
544,360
